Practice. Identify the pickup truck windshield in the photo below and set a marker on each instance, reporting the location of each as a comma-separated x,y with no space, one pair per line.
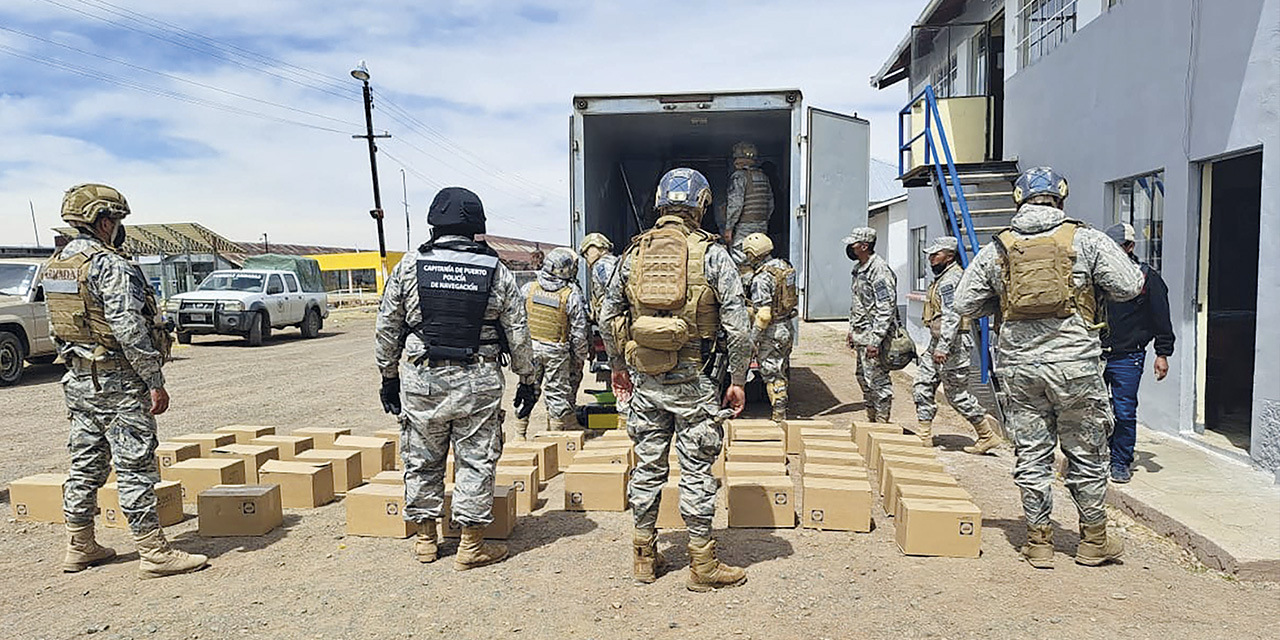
251,282
16,279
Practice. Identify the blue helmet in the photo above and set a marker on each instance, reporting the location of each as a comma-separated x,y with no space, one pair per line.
1039,181
684,188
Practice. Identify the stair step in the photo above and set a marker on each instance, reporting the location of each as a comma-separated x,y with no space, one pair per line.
982,177
988,194
992,212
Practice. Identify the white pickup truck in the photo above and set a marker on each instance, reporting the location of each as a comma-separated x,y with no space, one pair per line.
24,318
247,303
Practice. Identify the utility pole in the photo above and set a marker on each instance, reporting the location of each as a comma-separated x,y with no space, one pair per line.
36,228
361,73
408,241
266,246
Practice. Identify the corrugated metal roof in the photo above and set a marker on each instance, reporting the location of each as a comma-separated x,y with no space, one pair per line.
883,182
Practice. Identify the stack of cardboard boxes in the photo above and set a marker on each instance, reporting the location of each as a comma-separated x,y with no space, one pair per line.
758,491
597,478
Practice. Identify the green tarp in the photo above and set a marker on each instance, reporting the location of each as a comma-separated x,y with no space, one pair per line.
308,269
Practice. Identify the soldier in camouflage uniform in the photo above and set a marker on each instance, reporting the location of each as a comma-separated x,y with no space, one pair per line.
946,361
673,400
873,319
454,311
597,250
773,306
108,329
1043,276
750,203
558,325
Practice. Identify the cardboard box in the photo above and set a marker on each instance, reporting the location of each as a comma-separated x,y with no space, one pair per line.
524,482
862,429
504,515
891,463
819,456
623,457
207,441
377,510
731,426
837,504
761,501
839,446
450,473
669,507
513,457
169,452
742,469
198,474
303,485
240,510
322,437
595,487
927,492
611,436
756,452
901,477
168,504
570,443
950,528
548,457
254,456
376,454
245,433
838,471
877,438
287,446
394,436
835,435
388,477
37,498
902,451
347,468
792,430
772,433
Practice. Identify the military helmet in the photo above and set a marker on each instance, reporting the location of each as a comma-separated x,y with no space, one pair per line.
1039,181
683,189
561,263
456,210
744,150
85,203
597,240
757,246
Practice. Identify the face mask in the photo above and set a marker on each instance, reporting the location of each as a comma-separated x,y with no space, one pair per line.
939,268
848,251
117,240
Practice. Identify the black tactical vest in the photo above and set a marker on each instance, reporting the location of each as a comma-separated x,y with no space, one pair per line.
454,279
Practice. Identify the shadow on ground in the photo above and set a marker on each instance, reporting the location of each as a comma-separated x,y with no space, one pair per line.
193,542
534,531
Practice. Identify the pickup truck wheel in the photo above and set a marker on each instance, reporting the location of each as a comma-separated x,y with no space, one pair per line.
12,353
310,324
259,330
184,337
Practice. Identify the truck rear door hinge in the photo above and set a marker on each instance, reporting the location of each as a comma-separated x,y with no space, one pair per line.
801,211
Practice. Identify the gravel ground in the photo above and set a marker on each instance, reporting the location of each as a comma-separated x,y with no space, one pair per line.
569,574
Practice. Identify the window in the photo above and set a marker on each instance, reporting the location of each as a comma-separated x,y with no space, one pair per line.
1140,202
919,261
274,285
1042,26
291,281
978,64
944,78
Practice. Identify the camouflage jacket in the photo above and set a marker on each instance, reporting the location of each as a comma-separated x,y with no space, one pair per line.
873,312
945,285
599,275
576,311
737,197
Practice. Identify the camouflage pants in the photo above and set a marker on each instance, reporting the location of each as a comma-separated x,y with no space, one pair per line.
111,426
877,386
555,374
954,377
683,414
443,407
1051,405
773,348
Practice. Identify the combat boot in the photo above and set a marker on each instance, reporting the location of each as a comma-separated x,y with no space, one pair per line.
569,423
158,559
1038,551
522,429
474,552
83,551
988,437
706,572
925,432
646,562
426,547
871,415
1097,546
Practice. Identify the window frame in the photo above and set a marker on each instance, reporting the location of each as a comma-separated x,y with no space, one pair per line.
1052,31
920,272
1149,229
276,278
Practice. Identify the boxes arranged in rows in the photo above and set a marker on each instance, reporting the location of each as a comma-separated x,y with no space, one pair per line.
303,485
837,504
240,510
199,474
595,487
168,453
322,437
548,457
863,430
524,482
761,501
207,441
951,528
287,446
669,508
347,468
569,443
377,510
168,504
37,498
376,454
254,456
245,433
504,515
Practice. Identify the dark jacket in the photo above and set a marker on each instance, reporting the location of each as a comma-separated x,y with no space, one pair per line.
1132,325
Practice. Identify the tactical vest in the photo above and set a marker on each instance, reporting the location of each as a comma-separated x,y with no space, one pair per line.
454,281
673,307
76,317
757,199
1037,276
548,313
934,305
785,294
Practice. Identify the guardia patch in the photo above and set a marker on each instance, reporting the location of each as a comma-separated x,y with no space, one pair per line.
882,292
948,292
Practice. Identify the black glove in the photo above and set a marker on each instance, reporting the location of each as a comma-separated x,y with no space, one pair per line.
526,397
390,395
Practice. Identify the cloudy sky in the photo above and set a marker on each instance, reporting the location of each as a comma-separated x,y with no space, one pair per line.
238,114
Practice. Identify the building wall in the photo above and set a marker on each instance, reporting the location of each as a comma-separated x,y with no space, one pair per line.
892,238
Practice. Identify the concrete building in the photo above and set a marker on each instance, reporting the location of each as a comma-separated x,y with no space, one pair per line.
1161,113
887,214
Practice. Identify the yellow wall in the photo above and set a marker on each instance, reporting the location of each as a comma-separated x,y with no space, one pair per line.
965,120
359,260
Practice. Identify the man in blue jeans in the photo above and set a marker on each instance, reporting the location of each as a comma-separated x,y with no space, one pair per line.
1131,326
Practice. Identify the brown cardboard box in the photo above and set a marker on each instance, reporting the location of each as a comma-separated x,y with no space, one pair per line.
838,471
861,429
548,457
950,528
37,498
198,474
903,451
513,457
524,482
245,433
254,456
761,501
731,426
347,468
207,441
168,504
792,430
610,438
570,443
376,454
595,487
388,477
773,433
240,510
900,477
748,469
845,446
820,456
288,446
927,492
504,515
837,504
394,436
377,510
303,485
877,438
756,452
322,437
618,456
888,463
168,453
669,507
834,435
450,473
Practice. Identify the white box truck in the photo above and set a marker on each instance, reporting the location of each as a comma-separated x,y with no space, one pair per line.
817,161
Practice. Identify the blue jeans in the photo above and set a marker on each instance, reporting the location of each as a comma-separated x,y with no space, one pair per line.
1123,373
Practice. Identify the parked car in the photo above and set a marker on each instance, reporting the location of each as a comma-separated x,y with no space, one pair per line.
24,318
247,303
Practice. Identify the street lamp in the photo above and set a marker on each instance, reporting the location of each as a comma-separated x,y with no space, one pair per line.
361,73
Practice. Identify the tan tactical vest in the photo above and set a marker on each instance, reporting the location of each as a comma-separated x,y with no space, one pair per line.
548,313
933,306
672,304
755,202
785,294
75,316
1037,277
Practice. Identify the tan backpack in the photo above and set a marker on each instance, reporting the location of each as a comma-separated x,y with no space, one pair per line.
786,296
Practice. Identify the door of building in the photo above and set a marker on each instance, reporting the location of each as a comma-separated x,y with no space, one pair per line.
995,85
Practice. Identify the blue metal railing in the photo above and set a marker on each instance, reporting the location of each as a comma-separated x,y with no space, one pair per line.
954,203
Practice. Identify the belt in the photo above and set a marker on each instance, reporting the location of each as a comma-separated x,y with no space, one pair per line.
86,365
460,363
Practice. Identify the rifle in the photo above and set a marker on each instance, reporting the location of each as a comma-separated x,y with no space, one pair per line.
715,361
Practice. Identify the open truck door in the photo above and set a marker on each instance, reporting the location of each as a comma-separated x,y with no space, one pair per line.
839,159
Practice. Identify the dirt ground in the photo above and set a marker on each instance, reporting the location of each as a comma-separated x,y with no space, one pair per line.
569,574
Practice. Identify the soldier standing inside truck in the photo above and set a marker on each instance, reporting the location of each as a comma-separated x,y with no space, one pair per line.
750,203
558,325
454,311
773,304
107,327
